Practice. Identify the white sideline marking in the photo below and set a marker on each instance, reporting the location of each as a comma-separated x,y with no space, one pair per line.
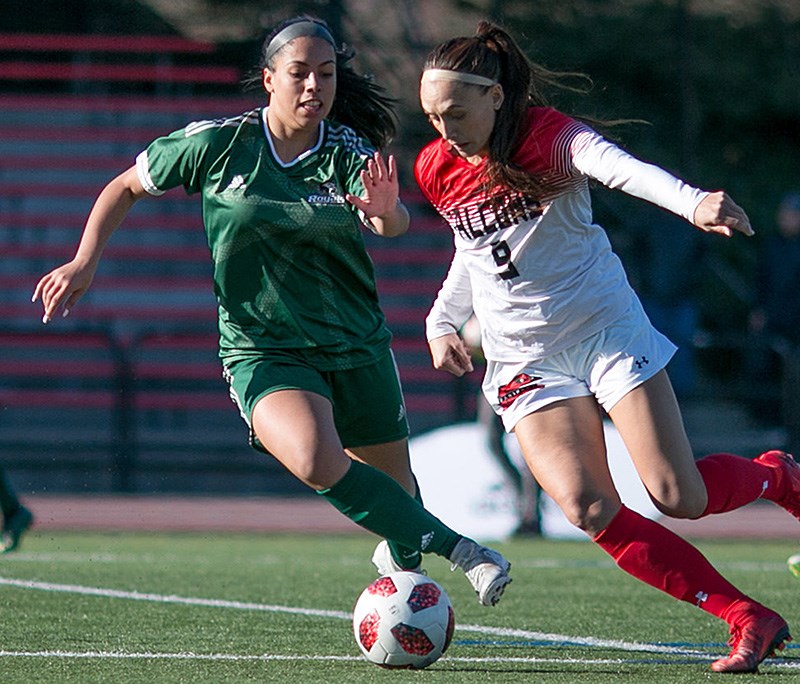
169,656
161,598
228,657
270,657
340,615
583,641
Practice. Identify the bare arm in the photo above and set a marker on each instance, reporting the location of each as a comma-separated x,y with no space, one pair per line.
393,223
65,285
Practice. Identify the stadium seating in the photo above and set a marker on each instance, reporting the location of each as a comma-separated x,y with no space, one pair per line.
64,414
126,393
102,63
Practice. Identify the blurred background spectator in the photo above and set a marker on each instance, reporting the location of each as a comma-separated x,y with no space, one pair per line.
775,321
670,269
495,436
16,517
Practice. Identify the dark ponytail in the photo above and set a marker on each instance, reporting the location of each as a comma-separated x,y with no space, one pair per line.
359,103
493,53
362,104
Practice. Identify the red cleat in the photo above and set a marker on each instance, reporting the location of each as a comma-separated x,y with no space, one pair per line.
756,634
788,478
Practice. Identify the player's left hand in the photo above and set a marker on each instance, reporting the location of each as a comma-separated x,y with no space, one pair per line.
381,187
718,213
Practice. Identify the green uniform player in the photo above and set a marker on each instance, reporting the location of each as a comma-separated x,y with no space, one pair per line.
286,191
298,305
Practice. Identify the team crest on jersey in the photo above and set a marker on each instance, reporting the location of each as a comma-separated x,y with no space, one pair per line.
328,194
522,383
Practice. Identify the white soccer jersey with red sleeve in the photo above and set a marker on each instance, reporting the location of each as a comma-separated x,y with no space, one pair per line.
538,273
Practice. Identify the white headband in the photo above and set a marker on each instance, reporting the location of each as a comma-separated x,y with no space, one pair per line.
461,76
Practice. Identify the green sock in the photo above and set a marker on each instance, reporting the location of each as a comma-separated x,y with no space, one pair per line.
405,556
376,502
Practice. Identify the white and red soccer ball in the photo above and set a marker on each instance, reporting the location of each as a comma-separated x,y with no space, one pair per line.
403,620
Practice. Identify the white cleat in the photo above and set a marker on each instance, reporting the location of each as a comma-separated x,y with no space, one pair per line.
383,560
485,568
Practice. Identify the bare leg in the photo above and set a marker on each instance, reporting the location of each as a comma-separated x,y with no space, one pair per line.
564,446
649,421
297,428
392,458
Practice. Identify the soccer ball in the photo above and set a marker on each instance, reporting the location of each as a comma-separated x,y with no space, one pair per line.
403,620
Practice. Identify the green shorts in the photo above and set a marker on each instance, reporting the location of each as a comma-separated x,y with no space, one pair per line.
368,406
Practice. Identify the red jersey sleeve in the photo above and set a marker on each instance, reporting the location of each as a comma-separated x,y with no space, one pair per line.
424,171
545,150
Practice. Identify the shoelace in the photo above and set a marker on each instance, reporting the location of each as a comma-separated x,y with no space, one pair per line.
737,635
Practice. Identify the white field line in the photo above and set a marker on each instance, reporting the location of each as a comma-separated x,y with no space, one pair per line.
266,657
230,657
539,563
340,615
162,598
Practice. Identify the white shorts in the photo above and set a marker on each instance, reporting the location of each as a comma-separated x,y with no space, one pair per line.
607,365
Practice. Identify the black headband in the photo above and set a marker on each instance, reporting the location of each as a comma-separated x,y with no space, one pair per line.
310,29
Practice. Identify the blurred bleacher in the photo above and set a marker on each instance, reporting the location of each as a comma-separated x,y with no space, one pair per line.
126,394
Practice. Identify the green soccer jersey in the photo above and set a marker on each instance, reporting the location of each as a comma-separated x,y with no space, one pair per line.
291,271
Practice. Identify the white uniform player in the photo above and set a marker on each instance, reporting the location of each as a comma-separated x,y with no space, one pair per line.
563,332
539,274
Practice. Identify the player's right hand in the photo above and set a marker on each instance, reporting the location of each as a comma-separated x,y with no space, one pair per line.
718,213
62,288
449,353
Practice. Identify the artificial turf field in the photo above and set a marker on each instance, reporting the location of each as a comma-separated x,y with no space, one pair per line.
191,607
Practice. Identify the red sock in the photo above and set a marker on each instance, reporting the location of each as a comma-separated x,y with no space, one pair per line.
660,558
733,481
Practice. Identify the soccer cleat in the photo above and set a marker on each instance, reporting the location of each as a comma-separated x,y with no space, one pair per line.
788,478
383,560
756,634
14,527
486,570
